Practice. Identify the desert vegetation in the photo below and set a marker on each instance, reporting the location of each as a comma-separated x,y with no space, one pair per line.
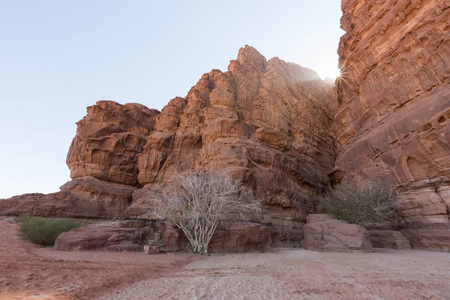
198,202
368,205
43,231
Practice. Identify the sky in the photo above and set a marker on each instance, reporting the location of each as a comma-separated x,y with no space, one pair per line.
58,57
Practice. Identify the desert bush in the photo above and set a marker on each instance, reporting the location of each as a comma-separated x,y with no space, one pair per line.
43,231
198,202
370,205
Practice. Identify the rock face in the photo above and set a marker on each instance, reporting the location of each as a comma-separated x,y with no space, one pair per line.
327,235
265,122
241,238
275,126
388,239
392,124
85,197
134,235
108,140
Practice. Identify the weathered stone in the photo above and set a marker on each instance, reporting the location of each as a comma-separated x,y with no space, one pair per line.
286,236
233,238
174,239
394,104
94,237
240,238
423,206
155,237
325,234
85,197
107,198
265,122
429,238
108,140
388,239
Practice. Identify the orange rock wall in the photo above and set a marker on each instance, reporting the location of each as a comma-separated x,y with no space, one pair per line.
392,123
264,122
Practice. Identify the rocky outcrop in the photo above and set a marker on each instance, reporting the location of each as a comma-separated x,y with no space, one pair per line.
265,122
100,238
85,197
327,235
158,237
388,239
108,140
241,238
392,124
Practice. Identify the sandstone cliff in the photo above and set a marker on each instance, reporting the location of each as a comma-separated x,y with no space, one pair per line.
274,125
265,122
394,108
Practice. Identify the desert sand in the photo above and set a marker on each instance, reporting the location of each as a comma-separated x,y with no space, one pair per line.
28,271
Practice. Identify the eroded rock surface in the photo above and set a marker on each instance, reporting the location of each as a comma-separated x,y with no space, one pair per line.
388,239
327,235
108,140
265,122
84,197
393,124
134,235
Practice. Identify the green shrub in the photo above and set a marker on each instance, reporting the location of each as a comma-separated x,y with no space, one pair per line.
43,231
370,205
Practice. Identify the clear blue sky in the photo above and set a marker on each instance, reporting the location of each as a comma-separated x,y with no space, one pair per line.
58,57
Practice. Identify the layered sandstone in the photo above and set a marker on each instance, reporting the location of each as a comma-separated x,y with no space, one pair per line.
327,235
394,104
85,197
136,235
108,140
264,122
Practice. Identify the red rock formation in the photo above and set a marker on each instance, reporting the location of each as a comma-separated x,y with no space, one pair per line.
327,235
108,140
392,124
85,197
133,235
263,121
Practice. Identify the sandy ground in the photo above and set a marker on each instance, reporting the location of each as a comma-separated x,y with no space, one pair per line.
28,271
301,274
31,272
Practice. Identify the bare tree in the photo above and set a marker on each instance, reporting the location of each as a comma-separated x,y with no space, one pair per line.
198,202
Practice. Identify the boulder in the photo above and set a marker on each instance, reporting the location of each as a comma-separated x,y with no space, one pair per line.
327,235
